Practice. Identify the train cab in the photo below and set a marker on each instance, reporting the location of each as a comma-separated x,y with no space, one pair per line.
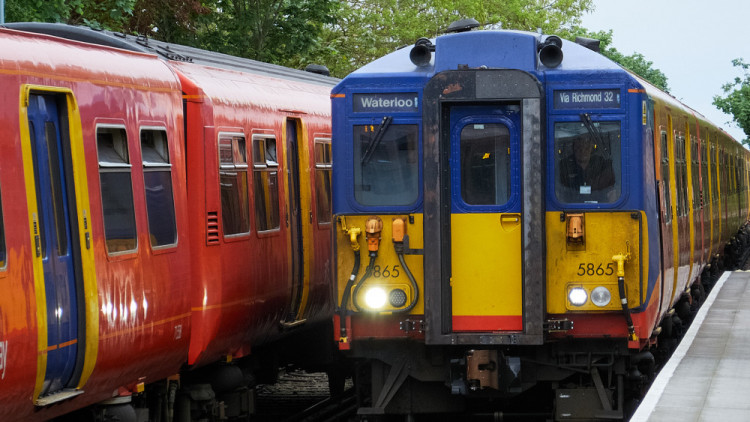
501,220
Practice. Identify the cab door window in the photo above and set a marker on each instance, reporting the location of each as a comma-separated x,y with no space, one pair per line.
485,164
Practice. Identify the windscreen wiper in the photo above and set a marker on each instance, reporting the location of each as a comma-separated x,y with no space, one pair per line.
593,130
375,141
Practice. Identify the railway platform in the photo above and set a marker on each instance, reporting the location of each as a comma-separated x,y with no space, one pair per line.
708,376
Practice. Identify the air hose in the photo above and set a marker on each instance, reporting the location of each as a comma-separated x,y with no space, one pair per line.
365,276
352,233
620,260
399,246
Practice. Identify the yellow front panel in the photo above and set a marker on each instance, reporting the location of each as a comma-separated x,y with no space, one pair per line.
589,265
388,272
486,276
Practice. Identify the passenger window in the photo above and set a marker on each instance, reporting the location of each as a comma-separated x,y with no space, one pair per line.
665,178
587,162
157,177
117,189
386,164
323,179
265,183
485,164
235,203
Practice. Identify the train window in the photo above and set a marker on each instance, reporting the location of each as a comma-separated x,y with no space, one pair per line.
323,179
58,207
714,175
485,164
235,200
157,178
704,174
665,178
117,190
3,252
386,164
694,172
265,183
588,162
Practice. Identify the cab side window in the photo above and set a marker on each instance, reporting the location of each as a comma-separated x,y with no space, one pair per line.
117,189
265,183
157,177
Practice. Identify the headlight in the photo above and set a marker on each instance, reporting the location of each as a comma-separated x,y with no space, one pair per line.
375,298
577,296
601,296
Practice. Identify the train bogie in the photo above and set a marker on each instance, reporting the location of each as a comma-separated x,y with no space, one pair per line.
563,208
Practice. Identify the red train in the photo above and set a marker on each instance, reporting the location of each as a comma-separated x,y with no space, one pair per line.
163,209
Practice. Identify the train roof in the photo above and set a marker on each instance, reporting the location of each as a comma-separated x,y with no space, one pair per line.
173,52
490,49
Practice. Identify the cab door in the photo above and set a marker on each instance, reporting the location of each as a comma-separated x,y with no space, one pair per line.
54,242
486,275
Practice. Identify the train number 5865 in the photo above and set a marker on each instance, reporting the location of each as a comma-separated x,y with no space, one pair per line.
590,268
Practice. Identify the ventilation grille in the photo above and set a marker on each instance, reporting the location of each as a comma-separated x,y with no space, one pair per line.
212,228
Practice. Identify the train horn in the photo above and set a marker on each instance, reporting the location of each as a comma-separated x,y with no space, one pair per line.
421,53
550,51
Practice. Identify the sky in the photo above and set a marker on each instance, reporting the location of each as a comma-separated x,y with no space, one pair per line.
693,42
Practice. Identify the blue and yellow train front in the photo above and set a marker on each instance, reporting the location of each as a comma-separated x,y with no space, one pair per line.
473,250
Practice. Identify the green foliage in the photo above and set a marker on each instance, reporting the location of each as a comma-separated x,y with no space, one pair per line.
635,62
106,14
277,31
737,99
367,29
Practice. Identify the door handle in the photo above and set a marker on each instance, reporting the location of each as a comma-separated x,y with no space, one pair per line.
510,221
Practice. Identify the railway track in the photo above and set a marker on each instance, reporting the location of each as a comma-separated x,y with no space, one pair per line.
304,397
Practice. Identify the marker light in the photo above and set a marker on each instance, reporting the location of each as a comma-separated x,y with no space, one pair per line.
577,296
397,298
601,296
375,298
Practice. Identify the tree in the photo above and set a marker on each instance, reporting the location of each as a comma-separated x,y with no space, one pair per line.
278,31
634,62
106,14
367,29
737,99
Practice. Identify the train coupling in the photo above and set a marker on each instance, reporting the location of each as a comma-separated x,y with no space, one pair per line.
485,371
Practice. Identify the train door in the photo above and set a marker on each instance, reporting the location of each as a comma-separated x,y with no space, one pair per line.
54,242
485,219
295,219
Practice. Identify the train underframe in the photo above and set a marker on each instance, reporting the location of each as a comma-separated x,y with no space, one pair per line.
223,391
564,379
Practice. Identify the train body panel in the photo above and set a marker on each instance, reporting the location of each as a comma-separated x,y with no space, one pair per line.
120,271
230,107
568,207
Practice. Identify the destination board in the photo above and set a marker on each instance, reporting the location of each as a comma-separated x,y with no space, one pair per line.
586,98
391,102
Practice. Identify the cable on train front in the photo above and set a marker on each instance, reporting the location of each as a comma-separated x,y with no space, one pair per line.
500,258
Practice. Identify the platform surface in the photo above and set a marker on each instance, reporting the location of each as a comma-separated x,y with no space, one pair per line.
708,376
